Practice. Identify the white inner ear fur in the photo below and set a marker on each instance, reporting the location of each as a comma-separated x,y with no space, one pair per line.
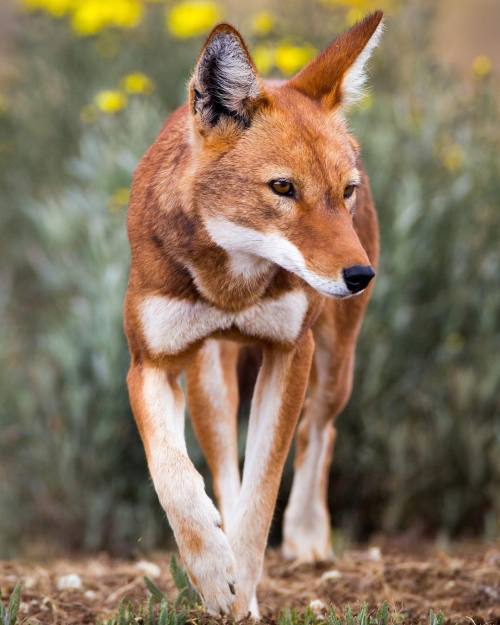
235,80
355,77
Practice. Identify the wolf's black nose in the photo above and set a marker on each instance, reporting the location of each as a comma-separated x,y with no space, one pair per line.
358,277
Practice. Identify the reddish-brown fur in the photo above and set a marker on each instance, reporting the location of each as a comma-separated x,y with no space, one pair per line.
196,171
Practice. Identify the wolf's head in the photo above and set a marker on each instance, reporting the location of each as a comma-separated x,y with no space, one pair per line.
276,170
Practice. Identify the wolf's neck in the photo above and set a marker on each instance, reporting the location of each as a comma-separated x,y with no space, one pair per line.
247,267
231,280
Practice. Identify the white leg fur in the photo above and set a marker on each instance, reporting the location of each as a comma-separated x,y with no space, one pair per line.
306,527
194,519
248,534
307,522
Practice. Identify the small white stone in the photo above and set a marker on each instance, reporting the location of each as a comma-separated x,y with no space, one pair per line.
69,582
374,554
148,568
317,606
29,581
96,569
328,575
90,595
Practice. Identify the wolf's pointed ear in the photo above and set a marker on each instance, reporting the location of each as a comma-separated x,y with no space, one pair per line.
224,83
337,75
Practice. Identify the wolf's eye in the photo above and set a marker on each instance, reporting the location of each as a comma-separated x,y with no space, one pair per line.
282,187
349,190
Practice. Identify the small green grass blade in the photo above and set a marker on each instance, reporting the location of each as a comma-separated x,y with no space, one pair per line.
436,619
332,618
382,616
156,593
9,614
285,618
187,597
348,616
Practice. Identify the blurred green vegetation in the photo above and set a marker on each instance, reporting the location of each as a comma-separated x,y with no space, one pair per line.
418,446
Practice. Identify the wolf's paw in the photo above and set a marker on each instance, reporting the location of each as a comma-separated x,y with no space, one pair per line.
307,542
308,550
245,608
210,564
249,574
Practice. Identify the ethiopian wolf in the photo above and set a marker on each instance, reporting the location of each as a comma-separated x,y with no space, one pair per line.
250,222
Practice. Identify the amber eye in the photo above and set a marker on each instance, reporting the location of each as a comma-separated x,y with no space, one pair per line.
349,190
282,187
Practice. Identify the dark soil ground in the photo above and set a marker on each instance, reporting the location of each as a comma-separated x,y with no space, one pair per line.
463,583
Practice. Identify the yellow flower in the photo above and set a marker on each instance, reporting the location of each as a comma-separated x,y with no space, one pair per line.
127,13
289,59
59,8
191,19
119,199
452,157
481,66
263,57
90,17
354,15
110,101
263,23
137,82
56,8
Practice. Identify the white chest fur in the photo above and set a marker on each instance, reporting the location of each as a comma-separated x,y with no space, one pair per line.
170,325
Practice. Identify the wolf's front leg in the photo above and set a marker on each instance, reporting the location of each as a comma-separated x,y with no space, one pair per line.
277,401
158,405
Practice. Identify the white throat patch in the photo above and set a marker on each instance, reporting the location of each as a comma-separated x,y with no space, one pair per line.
272,246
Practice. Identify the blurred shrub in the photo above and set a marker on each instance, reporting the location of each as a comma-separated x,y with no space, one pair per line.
420,440
74,443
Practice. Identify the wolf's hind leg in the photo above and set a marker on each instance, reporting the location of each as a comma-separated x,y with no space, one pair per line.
212,394
306,532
